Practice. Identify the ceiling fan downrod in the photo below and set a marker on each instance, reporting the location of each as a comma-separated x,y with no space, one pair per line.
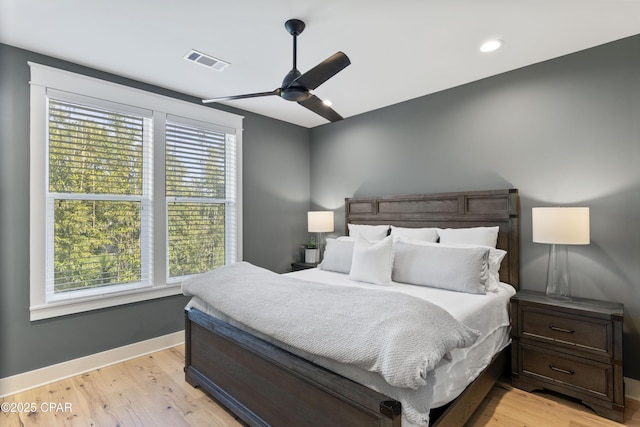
290,90
295,27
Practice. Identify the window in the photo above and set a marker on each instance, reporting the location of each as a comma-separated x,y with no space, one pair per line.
199,181
130,193
98,198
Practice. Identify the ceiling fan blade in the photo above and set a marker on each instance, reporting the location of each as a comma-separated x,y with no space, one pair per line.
249,95
316,105
323,71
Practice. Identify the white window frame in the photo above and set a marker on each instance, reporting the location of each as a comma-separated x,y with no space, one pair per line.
45,78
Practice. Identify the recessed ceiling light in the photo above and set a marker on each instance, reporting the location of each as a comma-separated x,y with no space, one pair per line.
491,45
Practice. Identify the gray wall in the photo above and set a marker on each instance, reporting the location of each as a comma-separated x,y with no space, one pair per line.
276,198
276,192
564,132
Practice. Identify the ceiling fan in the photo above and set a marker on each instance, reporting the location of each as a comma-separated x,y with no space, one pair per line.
297,86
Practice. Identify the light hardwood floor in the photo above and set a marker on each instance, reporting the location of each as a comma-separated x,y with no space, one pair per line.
151,391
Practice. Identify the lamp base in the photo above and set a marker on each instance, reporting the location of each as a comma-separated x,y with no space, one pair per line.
554,297
320,246
558,287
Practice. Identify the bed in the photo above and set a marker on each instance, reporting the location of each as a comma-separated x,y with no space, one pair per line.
263,384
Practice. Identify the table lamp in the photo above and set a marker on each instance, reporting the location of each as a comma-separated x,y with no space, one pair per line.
320,222
559,227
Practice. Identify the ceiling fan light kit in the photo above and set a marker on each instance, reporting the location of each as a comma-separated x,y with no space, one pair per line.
298,87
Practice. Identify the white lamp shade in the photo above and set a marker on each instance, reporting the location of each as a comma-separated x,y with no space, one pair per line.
561,225
320,221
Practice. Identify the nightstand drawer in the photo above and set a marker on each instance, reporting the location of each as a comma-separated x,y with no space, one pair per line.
572,347
563,328
582,374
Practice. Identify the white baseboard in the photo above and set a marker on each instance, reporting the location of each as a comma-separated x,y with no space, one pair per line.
632,389
60,371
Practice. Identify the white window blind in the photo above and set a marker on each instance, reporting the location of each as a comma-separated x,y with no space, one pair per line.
99,186
200,196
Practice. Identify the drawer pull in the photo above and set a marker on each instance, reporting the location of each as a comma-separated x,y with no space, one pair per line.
567,331
564,371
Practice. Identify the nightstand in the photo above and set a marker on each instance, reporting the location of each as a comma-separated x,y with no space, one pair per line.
571,347
296,266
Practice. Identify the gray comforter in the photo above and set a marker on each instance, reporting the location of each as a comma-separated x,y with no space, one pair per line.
396,335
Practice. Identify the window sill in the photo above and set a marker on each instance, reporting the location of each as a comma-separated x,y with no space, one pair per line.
64,308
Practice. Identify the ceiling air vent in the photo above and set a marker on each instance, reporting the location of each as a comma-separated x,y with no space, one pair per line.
206,60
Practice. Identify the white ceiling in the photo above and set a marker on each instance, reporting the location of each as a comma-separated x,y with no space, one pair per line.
399,50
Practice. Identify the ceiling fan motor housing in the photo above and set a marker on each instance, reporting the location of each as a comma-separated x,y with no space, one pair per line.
295,93
292,91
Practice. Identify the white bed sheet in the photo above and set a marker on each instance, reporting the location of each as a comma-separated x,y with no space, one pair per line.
486,313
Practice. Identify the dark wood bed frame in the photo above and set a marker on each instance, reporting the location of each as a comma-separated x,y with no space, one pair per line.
263,385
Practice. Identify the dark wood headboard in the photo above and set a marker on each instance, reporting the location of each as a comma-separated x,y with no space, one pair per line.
449,210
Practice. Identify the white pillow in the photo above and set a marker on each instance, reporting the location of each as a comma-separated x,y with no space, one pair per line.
485,236
426,234
337,255
372,262
451,268
369,232
495,259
